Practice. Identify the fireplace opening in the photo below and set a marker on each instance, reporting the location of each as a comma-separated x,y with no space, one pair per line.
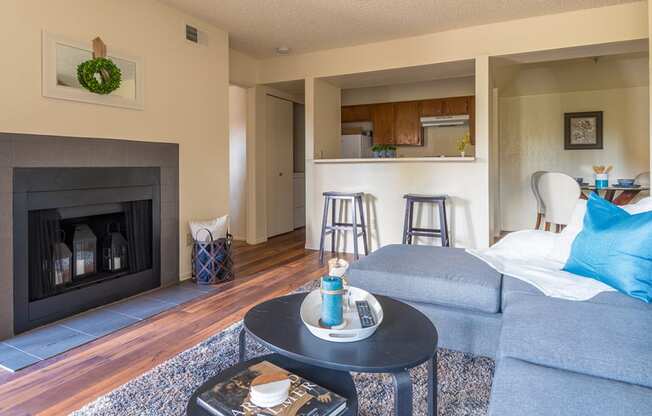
82,238
73,247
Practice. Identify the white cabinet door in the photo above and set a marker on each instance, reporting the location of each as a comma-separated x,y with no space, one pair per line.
280,210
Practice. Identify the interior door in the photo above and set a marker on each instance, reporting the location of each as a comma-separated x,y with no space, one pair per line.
279,166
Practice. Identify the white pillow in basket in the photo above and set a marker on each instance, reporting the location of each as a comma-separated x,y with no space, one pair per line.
217,227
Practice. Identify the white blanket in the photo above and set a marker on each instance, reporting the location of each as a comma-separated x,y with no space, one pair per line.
532,256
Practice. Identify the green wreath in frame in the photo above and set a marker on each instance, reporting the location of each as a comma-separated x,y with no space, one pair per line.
99,75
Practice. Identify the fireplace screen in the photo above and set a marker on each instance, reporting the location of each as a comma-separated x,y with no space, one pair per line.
73,247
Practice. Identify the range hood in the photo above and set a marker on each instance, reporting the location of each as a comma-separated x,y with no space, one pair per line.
445,121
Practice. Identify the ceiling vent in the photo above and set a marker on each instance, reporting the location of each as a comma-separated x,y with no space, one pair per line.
191,33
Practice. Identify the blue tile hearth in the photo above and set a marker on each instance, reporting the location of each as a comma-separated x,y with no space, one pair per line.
99,322
140,307
41,343
48,341
12,359
175,294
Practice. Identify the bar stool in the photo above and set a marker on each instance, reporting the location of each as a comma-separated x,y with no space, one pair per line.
409,230
337,225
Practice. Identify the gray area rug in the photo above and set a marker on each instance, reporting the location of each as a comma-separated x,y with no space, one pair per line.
464,383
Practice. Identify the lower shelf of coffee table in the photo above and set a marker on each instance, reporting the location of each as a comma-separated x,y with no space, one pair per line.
339,382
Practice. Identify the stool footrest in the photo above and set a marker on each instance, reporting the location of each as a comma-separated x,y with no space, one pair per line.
340,227
424,234
332,230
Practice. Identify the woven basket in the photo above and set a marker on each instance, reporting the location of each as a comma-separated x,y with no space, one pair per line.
211,260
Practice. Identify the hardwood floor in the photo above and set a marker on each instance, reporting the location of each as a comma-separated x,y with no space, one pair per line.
65,383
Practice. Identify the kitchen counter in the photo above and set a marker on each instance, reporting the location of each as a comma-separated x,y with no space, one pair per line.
385,181
400,159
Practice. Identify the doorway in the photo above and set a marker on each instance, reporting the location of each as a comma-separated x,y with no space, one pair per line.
279,165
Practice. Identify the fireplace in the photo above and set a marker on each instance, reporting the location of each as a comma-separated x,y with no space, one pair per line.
82,237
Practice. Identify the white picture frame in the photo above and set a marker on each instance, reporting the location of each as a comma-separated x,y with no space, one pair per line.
59,74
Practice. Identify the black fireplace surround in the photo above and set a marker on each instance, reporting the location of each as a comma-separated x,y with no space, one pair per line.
117,209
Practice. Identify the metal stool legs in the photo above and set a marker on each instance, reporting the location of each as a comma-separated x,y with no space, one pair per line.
363,224
357,225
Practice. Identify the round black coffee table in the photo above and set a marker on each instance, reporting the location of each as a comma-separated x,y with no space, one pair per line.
339,382
405,339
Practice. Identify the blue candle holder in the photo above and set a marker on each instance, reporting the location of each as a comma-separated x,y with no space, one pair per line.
332,291
601,180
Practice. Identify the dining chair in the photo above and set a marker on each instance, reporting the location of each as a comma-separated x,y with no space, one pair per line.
541,208
643,179
559,194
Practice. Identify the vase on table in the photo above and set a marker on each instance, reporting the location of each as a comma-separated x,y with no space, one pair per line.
601,180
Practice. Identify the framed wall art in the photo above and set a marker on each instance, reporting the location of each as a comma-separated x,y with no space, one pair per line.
60,60
583,130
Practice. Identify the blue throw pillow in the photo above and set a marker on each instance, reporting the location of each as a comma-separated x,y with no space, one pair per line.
615,248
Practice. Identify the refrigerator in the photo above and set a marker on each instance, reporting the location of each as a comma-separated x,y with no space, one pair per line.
356,146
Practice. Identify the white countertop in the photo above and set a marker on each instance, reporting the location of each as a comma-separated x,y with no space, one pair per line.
400,159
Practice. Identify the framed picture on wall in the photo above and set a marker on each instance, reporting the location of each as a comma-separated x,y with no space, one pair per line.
583,130
60,59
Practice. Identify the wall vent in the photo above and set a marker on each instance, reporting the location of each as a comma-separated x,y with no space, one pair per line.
191,33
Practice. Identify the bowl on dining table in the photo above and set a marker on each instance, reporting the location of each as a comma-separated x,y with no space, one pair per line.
626,182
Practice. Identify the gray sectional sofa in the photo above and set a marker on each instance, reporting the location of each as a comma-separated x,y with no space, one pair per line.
553,356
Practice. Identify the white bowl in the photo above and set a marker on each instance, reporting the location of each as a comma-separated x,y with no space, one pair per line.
352,330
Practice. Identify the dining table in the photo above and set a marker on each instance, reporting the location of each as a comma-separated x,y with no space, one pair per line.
619,195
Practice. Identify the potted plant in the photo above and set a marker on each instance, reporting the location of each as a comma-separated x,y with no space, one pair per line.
462,142
383,150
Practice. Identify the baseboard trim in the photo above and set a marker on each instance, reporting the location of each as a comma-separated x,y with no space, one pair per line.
256,240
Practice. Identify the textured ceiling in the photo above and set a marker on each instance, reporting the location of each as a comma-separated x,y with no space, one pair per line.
257,27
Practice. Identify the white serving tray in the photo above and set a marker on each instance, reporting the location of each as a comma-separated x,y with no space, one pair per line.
352,330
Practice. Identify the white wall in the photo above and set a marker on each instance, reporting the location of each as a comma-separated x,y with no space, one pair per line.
243,69
441,88
532,138
327,122
619,23
186,89
238,161
299,138
438,141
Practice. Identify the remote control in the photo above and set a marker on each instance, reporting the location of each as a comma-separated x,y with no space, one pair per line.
367,318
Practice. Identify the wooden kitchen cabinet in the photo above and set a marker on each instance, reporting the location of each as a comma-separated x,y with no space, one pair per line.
382,115
445,107
455,106
399,123
407,123
354,113
432,108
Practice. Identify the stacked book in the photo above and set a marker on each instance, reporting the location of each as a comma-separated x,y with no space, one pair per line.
233,397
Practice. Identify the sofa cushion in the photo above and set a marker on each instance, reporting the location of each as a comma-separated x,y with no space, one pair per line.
606,341
426,274
521,388
514,288
614,248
